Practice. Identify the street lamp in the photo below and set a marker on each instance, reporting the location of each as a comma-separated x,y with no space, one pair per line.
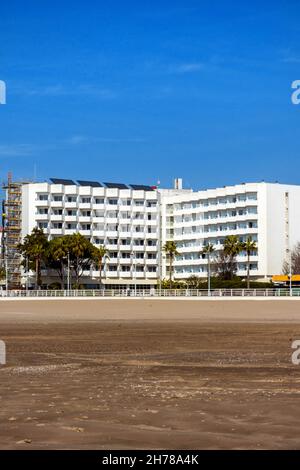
68,272
290,256
133,271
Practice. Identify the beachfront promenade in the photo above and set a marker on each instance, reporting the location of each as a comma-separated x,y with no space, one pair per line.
152,293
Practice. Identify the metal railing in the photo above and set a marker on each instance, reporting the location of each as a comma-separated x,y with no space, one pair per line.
141,293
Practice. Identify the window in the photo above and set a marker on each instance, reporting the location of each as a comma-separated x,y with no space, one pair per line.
99,241
43,197
57,198
125,268
71,212
125,202
85,200
113,202
71,226
99,200
151,269
111,267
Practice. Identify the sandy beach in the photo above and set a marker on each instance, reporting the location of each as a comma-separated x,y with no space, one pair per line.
138,374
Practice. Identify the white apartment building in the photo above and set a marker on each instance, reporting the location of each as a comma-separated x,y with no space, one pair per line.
134,221
123,218
269,213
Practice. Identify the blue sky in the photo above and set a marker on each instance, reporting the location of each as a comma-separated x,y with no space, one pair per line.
136,91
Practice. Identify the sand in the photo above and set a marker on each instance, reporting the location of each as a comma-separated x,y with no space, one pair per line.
149,374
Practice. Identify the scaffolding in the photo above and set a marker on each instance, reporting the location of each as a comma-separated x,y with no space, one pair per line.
12,232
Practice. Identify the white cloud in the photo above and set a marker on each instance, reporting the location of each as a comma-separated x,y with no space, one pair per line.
16,150
71,90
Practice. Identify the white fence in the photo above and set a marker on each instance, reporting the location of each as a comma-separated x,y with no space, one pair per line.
283,292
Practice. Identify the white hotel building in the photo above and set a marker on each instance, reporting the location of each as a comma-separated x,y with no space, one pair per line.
123,218
134,221
269,213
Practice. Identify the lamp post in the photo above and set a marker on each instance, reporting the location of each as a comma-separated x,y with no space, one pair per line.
68,272
208,273
291,289
133,271
27,274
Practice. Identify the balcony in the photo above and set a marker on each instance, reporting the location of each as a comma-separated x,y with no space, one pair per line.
84,218
125,260
111,275
124,234
57,217
125,247
84,205
58,204
70,231
84,232
56,231
98,233
39,203
41,216
151,248
112,233
151,275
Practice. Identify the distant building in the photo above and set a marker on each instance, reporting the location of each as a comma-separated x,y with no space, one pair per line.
134,221
268,213
123,218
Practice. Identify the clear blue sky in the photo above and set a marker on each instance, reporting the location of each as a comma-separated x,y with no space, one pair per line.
133,91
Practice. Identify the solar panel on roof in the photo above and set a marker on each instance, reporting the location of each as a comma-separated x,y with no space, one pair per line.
62,181
93,184
116,185
141,187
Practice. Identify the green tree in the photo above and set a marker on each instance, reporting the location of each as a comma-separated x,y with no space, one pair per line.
249,246
170,248
226,263
34,249
232,246
81,252
57,255
208,251
99,254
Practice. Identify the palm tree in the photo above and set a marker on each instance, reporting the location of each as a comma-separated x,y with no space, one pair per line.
232,246
34,248
249,246
170,248
99,255
208,250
